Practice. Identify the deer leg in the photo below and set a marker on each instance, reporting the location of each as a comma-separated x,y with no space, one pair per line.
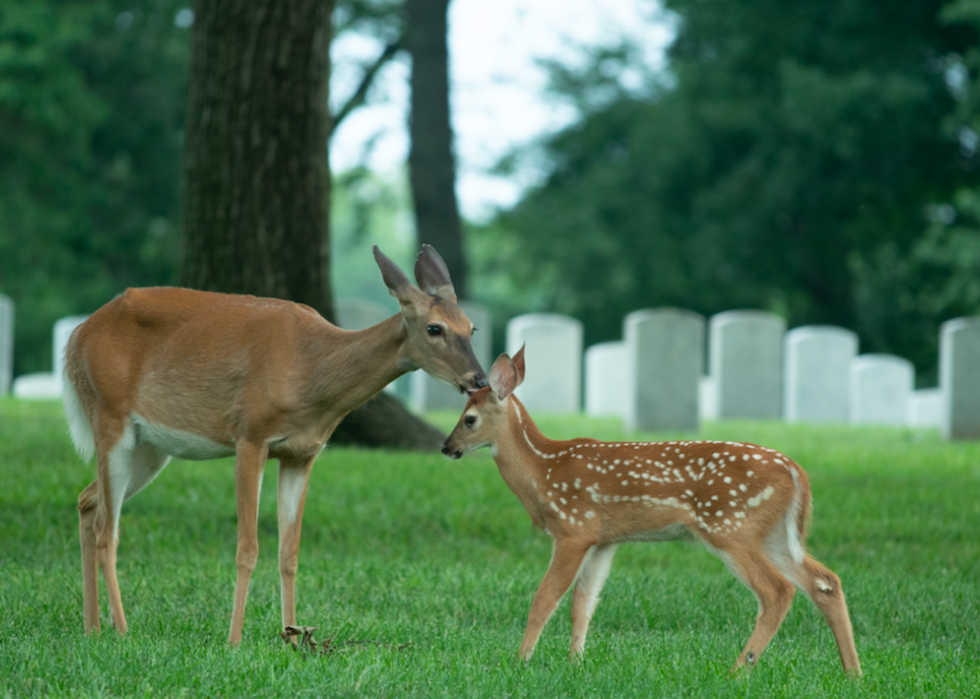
585,597
249,461
823,587
115,469
566,559
775,595
293,479
88,504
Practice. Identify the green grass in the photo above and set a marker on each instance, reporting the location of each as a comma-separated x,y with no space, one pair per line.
415,549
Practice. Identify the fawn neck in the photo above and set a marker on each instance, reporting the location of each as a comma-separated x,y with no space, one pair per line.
524,457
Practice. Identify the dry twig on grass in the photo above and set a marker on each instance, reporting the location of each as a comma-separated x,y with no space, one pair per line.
307,643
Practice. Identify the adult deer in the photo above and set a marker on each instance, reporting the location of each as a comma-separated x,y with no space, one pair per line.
168,372
747,504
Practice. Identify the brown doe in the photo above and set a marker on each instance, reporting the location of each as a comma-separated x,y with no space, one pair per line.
163,372
748,505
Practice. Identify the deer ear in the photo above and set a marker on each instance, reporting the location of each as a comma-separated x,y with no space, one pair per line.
397,281
503,377
432,274
518,360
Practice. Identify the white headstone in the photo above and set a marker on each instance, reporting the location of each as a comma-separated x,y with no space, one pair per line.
745,351
63,329
6,343
959,377
707,398
606,379
666,359
881,385
41,385
553,357
817,375
926,408
429,394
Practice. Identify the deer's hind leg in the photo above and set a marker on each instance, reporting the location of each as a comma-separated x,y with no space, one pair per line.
115,447
88,524
823,587
773,591
128,467
585,597
820,584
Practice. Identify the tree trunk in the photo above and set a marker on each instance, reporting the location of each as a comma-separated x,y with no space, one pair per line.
256,188
255,155
431,161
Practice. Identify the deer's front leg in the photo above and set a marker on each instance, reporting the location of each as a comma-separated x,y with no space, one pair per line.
249,461
566,558
294,475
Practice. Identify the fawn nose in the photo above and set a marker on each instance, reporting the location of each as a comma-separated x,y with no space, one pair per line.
447,450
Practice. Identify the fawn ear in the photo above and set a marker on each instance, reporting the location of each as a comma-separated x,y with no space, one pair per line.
432,274
518,360
503,377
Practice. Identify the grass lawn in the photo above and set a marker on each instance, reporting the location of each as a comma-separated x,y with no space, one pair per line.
434,563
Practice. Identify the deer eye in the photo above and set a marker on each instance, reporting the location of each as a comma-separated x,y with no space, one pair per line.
434,330
469,420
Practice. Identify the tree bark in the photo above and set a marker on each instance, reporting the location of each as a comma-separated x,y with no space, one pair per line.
256,187
431,162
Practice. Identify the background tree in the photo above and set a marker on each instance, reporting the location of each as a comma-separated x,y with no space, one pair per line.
432,165
256,181
793,156
91,114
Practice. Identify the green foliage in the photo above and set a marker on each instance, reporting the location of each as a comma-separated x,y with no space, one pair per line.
414,549
787,161
91,112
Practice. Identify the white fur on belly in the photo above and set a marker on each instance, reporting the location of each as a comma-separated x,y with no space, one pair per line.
183,445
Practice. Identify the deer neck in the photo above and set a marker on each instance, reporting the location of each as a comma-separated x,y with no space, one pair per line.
525,458
351,367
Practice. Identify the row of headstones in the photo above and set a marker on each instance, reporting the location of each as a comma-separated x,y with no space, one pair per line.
653,378
756,370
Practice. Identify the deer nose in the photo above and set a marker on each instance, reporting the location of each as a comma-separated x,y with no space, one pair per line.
445,448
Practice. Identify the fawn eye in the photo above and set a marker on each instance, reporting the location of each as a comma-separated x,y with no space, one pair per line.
469,420
434,330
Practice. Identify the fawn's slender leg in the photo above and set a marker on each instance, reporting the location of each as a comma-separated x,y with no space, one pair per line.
585,597
774,592
249,461
823,587
293,479
566,559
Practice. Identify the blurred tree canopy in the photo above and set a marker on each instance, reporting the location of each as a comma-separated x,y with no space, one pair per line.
798,157
816,160
91,111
